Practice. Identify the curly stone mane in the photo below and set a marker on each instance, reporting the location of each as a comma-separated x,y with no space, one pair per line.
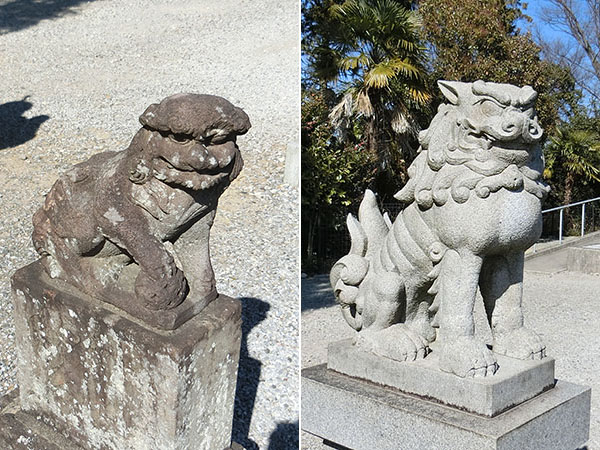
197,115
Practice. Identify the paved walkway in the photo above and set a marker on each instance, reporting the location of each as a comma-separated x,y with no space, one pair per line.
563,307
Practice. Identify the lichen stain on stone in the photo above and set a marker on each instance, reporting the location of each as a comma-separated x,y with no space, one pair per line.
113,216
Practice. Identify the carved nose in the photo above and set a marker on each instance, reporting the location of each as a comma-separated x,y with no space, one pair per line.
513,124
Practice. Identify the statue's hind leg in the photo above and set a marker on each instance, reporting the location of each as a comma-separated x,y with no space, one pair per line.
383,334
62,256
501,285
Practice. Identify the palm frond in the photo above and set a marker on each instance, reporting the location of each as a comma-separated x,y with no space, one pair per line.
342,110
355,61
363,103
379,76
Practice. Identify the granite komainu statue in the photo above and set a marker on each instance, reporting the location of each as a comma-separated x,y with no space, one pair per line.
132,227
473,207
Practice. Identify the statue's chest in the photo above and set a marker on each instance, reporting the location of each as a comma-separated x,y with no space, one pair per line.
504,221
169,209
518,218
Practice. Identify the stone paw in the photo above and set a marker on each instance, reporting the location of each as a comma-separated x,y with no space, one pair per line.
467,357
521,343
397,342
164,292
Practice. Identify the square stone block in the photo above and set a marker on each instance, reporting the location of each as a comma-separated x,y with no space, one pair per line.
515,381
104,380
361,415
584,259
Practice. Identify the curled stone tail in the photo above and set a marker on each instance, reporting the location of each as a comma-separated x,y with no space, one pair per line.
367,235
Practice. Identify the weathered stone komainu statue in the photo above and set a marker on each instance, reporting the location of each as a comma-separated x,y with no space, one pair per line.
132,227
473,208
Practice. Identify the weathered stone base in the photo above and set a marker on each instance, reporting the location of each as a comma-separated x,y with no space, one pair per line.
103,380
362,415
515,381
22,431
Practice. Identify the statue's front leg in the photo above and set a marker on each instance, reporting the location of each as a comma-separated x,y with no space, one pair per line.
193,250
501,286
159,284
460,352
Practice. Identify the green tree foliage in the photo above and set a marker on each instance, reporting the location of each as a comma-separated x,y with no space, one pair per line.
573,160
334,173
479,39
370,50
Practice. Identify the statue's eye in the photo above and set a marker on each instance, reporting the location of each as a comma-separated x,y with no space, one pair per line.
490,107
180,138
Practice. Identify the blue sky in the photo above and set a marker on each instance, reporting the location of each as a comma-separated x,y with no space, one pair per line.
534,10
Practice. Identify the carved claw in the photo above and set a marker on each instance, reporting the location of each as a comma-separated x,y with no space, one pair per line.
165,292
521,343
397,342
467,357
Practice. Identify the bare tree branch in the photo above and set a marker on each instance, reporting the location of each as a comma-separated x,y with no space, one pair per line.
581,21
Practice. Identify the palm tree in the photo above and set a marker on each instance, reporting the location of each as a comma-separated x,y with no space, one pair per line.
373,45
576,153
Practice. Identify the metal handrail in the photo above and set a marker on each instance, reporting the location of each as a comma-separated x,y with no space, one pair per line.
560,217
570,204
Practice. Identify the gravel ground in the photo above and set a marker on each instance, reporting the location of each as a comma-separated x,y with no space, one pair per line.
75,77
562,308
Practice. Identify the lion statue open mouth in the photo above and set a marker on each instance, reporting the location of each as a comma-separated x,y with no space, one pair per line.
473,208
132,227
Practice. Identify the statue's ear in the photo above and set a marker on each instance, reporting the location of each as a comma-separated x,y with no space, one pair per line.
450,90
149,116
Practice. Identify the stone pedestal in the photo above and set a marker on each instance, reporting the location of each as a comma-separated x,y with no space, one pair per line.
515,381
97,378
362,401
361,415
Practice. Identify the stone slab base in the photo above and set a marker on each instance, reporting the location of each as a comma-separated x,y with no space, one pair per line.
105,380
584,259
22,431
515,381
364,416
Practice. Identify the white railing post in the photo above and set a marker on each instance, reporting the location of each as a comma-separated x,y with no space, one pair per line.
560,226
561,210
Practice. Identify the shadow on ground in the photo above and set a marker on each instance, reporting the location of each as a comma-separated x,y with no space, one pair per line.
16,129
254,311
285,437
17,15
316,293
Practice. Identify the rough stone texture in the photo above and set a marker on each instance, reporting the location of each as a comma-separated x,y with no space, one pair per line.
21,431
514,382
344,410
292,164
473,206
104,380
132,227
584,259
